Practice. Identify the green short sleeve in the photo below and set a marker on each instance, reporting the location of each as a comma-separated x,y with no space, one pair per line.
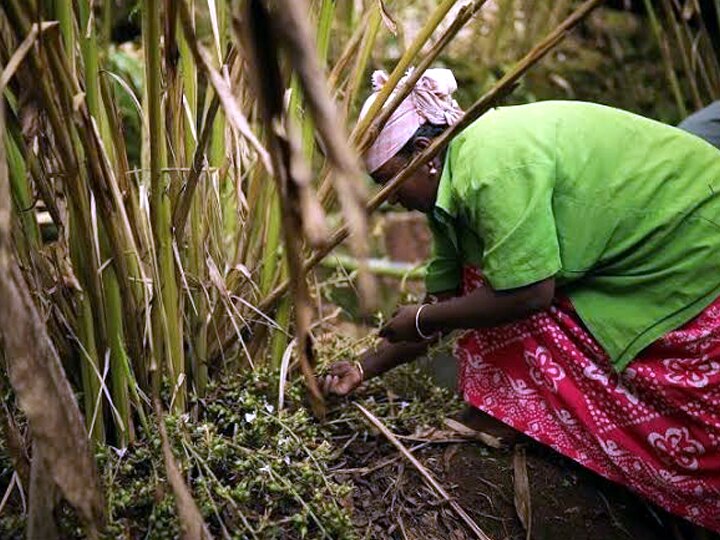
444,271
512,212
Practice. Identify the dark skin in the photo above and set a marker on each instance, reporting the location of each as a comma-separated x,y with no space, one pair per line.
482,308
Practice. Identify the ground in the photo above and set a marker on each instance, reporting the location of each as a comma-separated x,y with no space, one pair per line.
288,476
390,499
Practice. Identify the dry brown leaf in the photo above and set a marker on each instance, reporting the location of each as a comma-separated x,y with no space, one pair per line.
290,21
387,19
192,525
43,498
458,428
260,30
523,505
39,382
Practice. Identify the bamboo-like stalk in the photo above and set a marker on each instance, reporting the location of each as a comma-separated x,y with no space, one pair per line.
166,312
359,133
111,288
363,58
682,47
196,249
87,334
667,57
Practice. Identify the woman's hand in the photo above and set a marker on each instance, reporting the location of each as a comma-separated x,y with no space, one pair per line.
342,378
402,326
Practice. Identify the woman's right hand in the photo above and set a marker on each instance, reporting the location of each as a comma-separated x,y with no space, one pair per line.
342,378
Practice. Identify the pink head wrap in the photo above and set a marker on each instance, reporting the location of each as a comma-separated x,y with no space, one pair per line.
430,101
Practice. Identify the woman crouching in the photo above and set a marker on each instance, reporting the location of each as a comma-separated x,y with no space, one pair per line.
579,247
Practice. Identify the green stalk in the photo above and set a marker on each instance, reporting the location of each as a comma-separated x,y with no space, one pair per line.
118,359
166,314
403,64
111,288
272,240
82,258
21,194
279,341
217,150
195,249
89,360
667,58
64,13
363,58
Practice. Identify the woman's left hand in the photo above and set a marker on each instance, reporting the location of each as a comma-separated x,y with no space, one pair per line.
402,326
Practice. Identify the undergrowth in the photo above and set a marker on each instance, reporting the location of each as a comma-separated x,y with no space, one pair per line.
254,472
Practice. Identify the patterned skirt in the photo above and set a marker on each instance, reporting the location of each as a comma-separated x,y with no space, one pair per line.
654,428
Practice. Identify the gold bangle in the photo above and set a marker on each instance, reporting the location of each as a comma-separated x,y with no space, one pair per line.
359,367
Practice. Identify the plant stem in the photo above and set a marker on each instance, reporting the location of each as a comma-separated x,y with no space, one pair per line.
167,316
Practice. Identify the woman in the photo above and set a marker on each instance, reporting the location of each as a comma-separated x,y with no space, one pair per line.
579,246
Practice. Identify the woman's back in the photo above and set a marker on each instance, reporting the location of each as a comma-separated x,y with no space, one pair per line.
631,207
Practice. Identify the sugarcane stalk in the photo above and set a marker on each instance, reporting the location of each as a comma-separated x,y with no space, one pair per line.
666,57
166,313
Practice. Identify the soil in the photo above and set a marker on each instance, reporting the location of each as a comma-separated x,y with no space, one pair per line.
394,502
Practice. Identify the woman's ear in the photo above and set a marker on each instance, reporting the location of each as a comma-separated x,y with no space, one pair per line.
421,143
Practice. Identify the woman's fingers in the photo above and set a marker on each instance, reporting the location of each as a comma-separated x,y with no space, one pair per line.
387,332
340,368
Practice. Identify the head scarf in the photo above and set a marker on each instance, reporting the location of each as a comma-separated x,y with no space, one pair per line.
430,101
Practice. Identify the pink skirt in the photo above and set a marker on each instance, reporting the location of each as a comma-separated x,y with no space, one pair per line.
654,428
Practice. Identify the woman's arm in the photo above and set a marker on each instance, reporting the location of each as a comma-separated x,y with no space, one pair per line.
485,307
482,308
344,377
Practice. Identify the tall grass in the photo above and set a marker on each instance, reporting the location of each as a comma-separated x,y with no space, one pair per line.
690,60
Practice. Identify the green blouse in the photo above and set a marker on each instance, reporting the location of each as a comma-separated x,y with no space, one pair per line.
623,211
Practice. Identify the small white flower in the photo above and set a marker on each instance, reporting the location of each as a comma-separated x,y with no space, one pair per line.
286,459
120,452
250,417
269,408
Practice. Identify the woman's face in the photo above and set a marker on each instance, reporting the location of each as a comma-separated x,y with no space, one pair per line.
418,192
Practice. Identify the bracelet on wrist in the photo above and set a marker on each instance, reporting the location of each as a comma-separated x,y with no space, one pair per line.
417,323
359,367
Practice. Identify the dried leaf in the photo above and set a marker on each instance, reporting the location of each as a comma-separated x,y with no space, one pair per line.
291,23
43,498
462,430
191,521
19,55
38,379
523,505
387,19
260,31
